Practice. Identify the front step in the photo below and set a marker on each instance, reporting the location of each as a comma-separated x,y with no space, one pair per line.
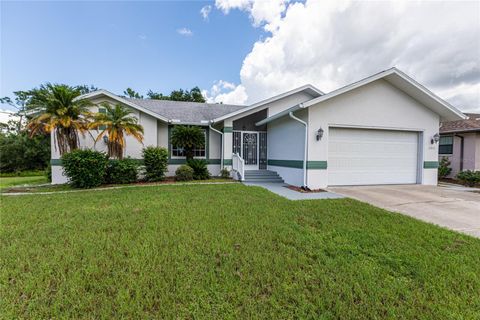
254,176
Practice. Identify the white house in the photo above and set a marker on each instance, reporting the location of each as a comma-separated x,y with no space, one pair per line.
380,130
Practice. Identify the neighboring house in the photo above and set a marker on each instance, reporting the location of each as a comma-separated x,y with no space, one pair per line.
460,143
379,130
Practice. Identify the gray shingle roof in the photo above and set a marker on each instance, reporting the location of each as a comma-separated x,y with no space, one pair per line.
186,112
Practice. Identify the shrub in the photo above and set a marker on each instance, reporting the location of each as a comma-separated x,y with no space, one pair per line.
200,170
121,171
85,168
469,177
156,163
184,173
225,173
444,168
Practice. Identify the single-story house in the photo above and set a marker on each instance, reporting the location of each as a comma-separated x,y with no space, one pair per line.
383,129
460,143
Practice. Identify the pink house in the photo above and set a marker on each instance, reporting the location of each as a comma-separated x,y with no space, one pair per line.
460,143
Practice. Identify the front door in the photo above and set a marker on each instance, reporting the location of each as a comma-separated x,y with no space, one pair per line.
250,150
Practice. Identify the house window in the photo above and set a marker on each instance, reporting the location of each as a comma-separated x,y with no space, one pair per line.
102,110
197,152
446,145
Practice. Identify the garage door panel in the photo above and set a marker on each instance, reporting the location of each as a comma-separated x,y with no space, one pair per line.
362,156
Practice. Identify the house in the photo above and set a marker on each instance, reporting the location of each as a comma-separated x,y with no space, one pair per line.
460,143
383,129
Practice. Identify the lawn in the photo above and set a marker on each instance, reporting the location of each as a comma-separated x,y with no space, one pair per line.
21,180
227,251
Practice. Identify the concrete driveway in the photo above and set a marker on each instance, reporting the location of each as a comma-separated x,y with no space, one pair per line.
448,207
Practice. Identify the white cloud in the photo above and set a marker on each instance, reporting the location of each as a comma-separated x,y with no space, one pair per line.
185,32
261,11
330,44
226,92
205,11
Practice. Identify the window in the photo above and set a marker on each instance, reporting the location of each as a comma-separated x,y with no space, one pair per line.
102,110
197,152
446,145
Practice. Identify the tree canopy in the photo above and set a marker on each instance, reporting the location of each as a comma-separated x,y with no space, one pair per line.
192,95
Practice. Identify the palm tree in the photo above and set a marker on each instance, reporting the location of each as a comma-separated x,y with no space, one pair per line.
188,138
117,120
56,108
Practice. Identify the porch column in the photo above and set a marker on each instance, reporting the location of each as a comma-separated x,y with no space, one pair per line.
227,143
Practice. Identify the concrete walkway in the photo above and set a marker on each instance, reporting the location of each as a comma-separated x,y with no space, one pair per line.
453,208
281,190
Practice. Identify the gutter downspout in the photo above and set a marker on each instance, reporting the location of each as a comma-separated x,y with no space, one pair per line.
290,114
221,148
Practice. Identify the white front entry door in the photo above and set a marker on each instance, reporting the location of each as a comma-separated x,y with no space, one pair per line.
366,157
250,150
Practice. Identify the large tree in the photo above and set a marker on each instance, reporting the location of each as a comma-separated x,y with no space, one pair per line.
193,95
129,92
117,122
56,107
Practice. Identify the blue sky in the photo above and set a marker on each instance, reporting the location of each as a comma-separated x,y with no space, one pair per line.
114,45
246,50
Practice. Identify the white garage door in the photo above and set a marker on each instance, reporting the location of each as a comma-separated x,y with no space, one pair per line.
362,157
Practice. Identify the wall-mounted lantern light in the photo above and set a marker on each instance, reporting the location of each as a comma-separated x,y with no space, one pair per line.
319,134
105,139
435,138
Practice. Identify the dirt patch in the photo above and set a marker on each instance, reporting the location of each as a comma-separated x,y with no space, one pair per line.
298,189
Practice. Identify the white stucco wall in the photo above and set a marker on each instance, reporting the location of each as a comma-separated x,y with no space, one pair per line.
376,105
285,143
133,148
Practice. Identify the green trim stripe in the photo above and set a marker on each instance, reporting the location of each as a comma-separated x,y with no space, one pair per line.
227,129
430,164
298,164
227,162
58,162
317,165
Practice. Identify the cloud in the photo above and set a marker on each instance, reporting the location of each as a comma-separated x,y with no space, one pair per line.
185,32
205,11
225,92
331,44
261,12
7,115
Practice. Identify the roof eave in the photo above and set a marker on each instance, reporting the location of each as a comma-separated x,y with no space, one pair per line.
92,95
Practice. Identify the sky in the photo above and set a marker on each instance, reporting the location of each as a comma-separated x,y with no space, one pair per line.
241,51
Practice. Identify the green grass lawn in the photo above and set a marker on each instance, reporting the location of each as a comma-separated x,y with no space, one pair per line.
20,180
227,251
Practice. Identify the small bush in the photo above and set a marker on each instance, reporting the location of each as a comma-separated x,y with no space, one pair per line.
85,168
225,173
184,173
156,163
444,168
200,170
121,171
469,177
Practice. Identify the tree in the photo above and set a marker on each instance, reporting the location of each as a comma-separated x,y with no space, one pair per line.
86,89
56,108
19,152
118,121
194,95
188,138
129,92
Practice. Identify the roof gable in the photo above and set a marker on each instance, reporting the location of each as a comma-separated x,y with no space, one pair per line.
406,84
308,88
171,111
